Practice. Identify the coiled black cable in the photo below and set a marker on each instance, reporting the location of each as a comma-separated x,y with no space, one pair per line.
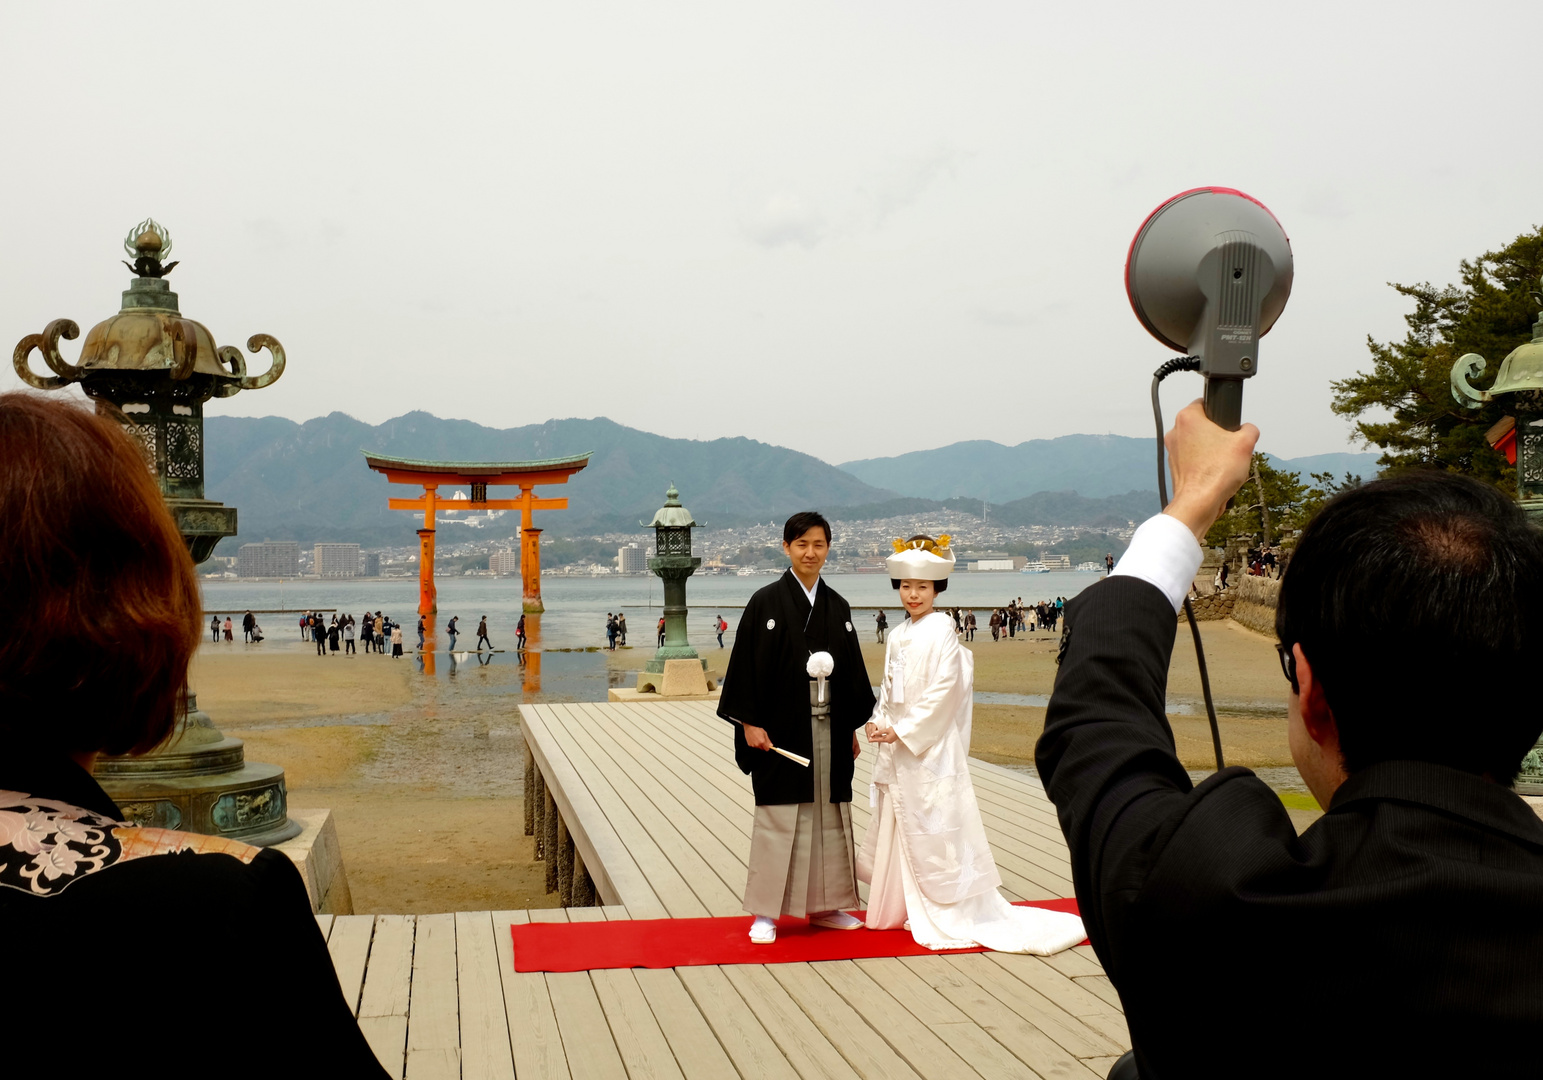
1184,363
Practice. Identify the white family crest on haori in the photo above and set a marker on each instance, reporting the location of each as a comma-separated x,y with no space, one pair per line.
849,628
771,624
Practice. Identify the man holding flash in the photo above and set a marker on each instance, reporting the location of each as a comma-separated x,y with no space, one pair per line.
1402,933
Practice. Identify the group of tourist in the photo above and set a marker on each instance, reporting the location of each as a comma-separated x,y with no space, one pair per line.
250,631
615,630
1005,622
375,632
1018,617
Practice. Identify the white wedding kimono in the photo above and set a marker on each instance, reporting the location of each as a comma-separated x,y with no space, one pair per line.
926,857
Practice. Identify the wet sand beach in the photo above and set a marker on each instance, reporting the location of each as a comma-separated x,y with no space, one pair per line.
424,772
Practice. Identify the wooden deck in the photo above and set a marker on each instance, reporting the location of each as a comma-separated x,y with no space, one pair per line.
644,802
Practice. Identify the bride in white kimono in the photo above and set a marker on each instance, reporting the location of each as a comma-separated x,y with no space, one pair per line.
926,857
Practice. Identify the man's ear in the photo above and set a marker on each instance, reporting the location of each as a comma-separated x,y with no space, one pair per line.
1317,717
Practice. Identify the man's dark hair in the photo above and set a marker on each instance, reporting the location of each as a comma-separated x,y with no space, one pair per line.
799,524
939,586
1418,600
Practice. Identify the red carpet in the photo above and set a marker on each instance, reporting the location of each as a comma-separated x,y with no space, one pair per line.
667,943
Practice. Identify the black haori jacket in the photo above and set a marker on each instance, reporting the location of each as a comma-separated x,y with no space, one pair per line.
767,685
140,952
1401,934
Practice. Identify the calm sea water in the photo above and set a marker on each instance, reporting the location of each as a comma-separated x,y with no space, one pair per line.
576,607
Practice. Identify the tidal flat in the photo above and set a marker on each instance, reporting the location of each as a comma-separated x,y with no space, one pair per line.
422,764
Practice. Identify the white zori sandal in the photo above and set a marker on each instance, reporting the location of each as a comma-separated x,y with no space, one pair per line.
763,931
835,920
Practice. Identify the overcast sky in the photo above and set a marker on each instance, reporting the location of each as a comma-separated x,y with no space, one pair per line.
851,229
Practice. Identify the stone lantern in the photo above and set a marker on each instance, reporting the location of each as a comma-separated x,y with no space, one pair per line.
1520,437
676,669
151,369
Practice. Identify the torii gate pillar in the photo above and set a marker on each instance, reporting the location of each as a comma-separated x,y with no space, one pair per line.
530,569
428,598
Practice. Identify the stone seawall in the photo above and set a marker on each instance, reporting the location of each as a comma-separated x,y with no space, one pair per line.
1254,604
1215,606
1250,602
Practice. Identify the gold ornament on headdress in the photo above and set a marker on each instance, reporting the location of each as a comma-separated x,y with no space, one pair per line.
924,543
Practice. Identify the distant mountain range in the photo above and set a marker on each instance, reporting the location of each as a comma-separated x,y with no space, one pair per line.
308,481
1090,465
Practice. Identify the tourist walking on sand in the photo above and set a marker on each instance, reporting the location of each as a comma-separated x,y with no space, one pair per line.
230,628
621,628
996,625
720,626
348,637
334,634
248,624
1108,563
420,633
969,626
610,631
367,632
926,856
519,635
396,641
880,624
214,627
452,631
318,635
482,634
305,625
661,631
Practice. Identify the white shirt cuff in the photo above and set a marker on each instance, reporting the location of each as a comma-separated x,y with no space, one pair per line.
1163,553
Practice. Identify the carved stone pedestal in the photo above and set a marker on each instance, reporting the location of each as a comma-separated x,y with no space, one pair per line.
201,782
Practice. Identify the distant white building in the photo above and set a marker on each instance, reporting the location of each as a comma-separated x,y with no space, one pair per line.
271,558
336,560
504,562
1056,562
991,564
632,559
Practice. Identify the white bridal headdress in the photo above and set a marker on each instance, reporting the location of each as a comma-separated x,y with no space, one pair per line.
921,558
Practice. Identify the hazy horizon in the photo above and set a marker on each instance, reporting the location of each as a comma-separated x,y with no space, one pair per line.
817,225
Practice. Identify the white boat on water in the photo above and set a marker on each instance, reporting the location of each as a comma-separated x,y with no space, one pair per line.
1035,568
745,571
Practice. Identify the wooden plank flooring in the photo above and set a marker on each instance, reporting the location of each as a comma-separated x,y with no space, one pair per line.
662,817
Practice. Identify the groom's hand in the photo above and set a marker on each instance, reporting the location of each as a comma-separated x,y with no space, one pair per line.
757,737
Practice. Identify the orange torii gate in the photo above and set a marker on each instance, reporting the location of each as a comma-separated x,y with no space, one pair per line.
432,475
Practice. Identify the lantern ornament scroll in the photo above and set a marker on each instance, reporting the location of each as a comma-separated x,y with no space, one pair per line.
151,368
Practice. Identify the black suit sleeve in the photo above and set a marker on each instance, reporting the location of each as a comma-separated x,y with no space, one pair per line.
1107,754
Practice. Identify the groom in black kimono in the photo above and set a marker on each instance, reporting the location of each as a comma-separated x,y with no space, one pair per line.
802,848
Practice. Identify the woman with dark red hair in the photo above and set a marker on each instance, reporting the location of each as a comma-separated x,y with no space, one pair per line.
188,952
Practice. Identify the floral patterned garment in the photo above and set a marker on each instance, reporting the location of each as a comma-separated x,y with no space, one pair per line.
47,845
